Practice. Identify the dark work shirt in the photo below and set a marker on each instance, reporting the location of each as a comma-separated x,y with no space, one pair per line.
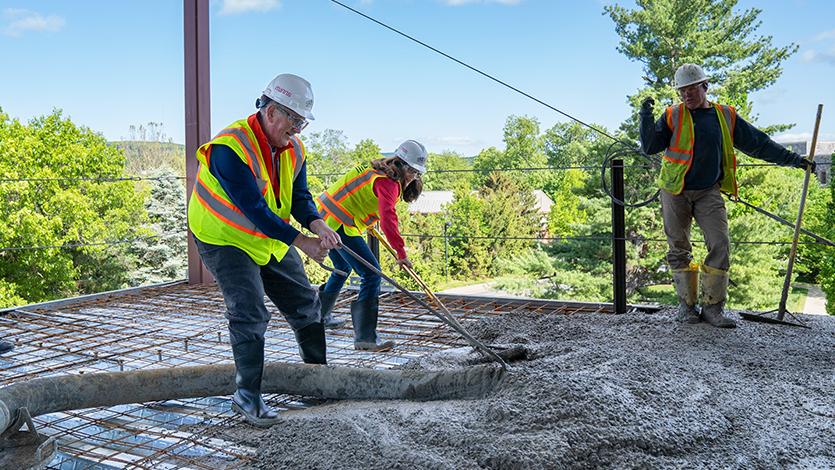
706,169
237,181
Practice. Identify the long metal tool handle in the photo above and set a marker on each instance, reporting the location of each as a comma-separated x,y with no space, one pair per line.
781,312
783,221
451,322
414,275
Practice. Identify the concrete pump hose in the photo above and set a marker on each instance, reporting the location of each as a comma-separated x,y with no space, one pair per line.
73,392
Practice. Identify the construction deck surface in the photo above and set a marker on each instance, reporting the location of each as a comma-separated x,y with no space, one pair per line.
181,325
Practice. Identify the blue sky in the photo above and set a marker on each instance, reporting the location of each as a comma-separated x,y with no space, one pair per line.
111,64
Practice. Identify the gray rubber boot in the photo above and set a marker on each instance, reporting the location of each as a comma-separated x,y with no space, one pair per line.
328,300
249,367
364,315
686,282
6,346
312,346
713,293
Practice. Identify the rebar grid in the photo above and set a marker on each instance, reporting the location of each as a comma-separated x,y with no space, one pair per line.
179,325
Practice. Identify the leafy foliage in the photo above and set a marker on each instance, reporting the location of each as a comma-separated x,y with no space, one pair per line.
79,220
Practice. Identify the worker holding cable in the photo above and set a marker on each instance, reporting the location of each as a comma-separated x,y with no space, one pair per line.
699,164
251,178
356,201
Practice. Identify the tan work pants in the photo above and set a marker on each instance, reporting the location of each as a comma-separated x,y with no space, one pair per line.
708,208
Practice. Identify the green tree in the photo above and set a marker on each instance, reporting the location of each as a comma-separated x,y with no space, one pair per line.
447,170
664,34
524,148
86,223
162,256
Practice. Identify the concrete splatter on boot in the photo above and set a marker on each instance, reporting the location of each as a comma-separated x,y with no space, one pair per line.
713,293
686,282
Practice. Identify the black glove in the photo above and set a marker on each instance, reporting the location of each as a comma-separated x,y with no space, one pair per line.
647,104
803,163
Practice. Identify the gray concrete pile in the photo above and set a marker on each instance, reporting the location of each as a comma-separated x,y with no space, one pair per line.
627,391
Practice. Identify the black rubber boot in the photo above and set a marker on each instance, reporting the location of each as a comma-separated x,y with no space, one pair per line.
312,347
249,367
6,346
364,315
328,299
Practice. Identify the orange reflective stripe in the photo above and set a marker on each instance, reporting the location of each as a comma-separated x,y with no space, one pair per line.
246,144
370,219
335,210
224,211
298,154
671,159
355,184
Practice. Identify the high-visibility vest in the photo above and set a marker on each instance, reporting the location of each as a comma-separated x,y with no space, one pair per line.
679,155
350,202
214,218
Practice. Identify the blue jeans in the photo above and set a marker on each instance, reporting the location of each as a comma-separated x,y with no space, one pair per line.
370,284
244,283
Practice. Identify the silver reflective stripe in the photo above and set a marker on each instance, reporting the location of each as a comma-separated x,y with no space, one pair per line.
674,122
677,155
261,184
297,148
243,138
224,211
333,209
354,184
370,220
727,112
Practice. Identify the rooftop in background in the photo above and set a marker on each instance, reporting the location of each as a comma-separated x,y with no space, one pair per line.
823,154
432,202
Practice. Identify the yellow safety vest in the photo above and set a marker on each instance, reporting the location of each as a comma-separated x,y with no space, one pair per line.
214,218
679,154
350,202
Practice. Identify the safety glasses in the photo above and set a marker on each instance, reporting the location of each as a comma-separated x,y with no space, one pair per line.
298,122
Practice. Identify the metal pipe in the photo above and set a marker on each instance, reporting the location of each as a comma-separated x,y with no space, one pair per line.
73,392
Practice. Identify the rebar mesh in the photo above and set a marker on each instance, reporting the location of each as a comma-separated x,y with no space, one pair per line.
179,325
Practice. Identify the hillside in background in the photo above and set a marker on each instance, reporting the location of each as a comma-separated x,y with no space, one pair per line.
143,157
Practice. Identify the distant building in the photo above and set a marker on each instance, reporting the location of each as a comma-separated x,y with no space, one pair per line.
432,202
823,157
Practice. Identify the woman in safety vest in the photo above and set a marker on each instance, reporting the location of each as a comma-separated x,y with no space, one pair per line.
353,203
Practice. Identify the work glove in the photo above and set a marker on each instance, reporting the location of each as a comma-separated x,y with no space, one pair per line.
647,104
803,163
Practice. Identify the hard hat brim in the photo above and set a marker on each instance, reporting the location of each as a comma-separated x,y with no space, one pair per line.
679,87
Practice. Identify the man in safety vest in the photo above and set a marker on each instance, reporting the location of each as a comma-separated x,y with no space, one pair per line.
251,178
698,138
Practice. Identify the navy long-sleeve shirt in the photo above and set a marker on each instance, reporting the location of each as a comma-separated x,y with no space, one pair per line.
706,169
237,181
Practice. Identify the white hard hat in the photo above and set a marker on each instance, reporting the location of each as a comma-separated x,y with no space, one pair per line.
689,74
413,153
293,92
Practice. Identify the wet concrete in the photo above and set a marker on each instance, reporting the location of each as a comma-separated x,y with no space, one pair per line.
630,391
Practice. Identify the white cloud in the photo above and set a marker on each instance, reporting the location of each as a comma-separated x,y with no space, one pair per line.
825,35
455,3
811,55
235,7
824,52
20,21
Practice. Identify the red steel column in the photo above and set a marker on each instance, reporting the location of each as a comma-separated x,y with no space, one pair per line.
197,107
